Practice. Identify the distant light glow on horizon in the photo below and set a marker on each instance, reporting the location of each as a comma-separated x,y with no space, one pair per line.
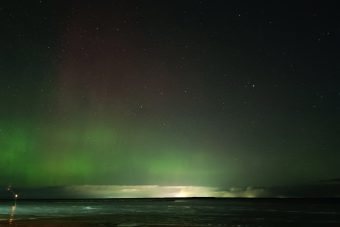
157,191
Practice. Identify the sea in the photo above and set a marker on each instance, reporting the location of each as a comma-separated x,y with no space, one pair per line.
172,212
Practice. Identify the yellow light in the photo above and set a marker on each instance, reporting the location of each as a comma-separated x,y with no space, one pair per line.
181,194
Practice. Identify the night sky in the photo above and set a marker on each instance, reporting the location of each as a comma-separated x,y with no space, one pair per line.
213,94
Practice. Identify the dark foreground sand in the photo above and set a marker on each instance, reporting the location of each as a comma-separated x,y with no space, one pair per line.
77,222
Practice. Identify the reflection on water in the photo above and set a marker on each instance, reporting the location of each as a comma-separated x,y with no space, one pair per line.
11,214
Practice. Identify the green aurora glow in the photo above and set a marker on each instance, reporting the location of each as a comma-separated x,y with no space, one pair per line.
102,94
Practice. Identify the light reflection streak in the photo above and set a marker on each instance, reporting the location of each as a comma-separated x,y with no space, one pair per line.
11,214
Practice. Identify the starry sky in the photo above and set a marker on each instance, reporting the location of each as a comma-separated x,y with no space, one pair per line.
217,94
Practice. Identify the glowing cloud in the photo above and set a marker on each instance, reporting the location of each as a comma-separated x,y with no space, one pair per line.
157,191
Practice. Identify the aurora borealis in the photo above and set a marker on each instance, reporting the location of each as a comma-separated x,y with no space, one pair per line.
197,94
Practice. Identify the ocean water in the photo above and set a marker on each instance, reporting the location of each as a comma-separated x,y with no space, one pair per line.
176,212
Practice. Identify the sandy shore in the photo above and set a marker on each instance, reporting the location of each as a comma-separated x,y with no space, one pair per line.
49,223
78,222
84,221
